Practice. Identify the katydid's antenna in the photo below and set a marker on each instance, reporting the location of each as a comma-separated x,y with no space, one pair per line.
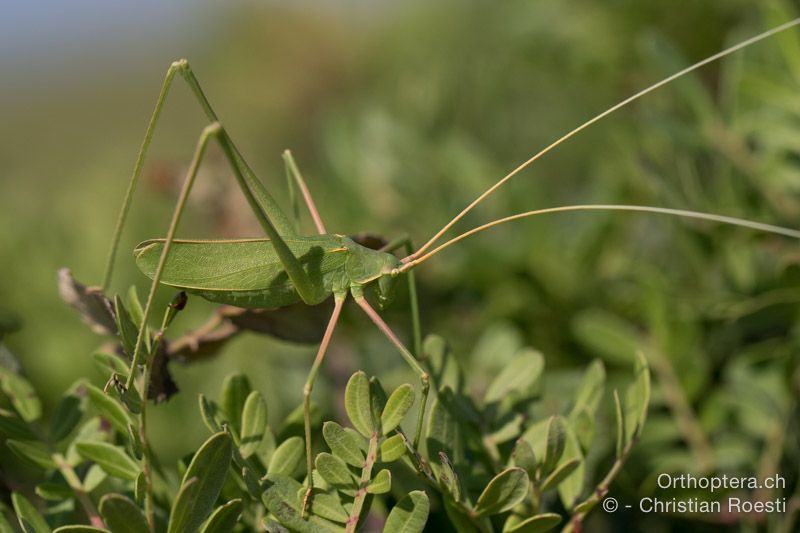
610,110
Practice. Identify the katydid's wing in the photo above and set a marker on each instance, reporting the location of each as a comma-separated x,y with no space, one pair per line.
246,273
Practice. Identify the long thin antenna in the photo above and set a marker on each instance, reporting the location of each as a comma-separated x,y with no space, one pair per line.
602,115
411,263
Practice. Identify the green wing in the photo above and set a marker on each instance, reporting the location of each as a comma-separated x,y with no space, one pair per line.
245,273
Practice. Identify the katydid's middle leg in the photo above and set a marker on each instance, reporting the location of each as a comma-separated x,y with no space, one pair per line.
416,328
309,386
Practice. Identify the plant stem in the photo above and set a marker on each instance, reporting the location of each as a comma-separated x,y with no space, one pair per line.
76,485
601,490
685,418
366,476
149,510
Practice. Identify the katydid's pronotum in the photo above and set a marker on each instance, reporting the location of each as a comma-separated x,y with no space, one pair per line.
287,267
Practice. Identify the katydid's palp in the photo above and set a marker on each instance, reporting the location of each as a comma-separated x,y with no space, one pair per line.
286,267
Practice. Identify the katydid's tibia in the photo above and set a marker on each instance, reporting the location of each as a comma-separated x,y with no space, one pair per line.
286,267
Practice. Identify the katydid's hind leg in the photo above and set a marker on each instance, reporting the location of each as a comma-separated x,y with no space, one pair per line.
309,386
424,377
208,133
182,67
293,174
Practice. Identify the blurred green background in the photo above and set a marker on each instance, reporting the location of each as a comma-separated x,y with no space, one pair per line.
399,114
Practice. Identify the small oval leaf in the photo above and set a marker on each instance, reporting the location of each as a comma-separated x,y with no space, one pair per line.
254,424
343,444
504,491
409,515
201,484
398,404
22,395
392,449
381,483
225,518
334,471
536,524
122,515
235,390
111,459
287,457
33,453
357,403
109,408
30,520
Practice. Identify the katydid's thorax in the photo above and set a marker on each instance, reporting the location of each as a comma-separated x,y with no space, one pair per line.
248,272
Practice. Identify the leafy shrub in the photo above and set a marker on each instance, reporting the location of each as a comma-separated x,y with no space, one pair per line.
480,462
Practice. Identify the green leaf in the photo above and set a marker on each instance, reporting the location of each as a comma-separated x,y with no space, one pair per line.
68,413
398,404
381,483
122,515
637,399
357,403
33,453
224,518
335,471
606,334
571,487
54,492
287,457
590,391
22,395
201,484
620,418
504,491
536,524
254,424
30,520
556,439
392,449
449,478
344,444
235,390
444,433
128,331
15,427
136,310
209,411
328,506
517,378
109,408
409,515
524,457
560,473
80,529
282,499
113,460
110,363
582,423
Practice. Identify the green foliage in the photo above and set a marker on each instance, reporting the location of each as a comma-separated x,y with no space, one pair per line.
490,459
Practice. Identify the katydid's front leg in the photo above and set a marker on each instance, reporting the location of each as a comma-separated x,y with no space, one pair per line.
309,386
294,177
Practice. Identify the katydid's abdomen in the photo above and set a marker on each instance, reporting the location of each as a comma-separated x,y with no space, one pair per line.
247,272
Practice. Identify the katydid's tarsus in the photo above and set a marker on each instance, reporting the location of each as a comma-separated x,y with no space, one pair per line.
287,267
